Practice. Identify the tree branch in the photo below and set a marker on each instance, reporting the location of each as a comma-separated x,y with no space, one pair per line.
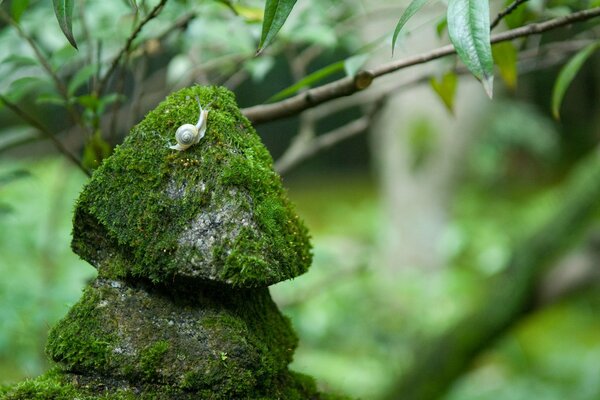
350,85
512,7
313,145
125,49
36,124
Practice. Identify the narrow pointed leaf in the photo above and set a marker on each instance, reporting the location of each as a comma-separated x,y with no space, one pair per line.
566,75
469,31
445,88
413,7
505,57
308,80
64,14
80,78
17,8
276,13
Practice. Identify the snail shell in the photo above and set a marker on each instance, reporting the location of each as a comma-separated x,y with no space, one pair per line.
188,134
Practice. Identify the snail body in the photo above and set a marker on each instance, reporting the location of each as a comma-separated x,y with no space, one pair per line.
188,134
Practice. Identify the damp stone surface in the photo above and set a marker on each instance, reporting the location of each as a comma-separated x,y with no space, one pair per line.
186,244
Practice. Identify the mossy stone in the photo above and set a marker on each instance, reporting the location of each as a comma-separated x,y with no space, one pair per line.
58,385
214,212
219,339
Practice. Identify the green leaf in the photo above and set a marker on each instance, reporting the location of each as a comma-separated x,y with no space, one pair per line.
441,27
17,8
505,57
95,150
308,80
446,89
80,78
64,14
62,56
17,60
276,12
413,7
469,31
566,75
50,98
24,86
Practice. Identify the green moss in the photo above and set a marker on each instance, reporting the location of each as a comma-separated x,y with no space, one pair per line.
82,341
135,215
217,339
56,385
151,359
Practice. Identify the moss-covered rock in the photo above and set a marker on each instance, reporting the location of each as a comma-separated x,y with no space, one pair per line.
216,211
218,339
56,385
185,244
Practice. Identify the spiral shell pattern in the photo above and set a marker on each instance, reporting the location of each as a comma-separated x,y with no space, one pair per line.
186,135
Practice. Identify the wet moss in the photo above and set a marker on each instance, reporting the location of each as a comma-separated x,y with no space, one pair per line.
216,211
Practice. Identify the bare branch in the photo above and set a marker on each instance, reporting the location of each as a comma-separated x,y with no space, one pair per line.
348,85
322,142
36,124
512,7
155,11
312,145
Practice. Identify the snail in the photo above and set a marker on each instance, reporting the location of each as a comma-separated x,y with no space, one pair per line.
188,134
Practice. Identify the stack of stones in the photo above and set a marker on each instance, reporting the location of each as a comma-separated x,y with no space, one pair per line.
185,244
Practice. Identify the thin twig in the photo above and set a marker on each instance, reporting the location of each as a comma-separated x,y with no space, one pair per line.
312,146
307,148
36,124
350,85
125,49
512,7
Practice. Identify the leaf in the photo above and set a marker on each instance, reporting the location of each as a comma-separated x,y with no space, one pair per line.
308,80
413,7
505,57
17,60
250,14
24,86
62,56
276,12
17,8
446,89
95,150
441,27
50,98
566,75
469,31
80,78
64,14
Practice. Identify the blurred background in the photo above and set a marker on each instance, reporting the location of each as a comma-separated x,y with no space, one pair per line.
418,219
